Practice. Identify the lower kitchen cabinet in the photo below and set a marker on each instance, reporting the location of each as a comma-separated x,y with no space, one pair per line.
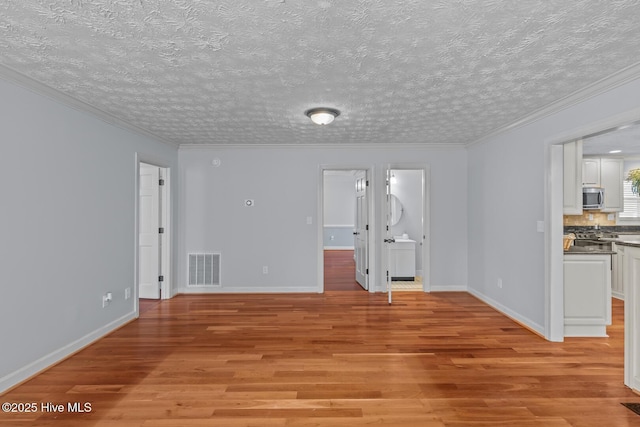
587,295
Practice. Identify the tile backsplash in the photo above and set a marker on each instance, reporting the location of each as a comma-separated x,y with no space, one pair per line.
599,218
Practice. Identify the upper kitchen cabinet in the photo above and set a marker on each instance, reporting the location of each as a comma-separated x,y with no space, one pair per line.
572,178
591,172
611,179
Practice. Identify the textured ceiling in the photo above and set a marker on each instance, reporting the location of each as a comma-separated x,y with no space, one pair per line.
244,71
626,139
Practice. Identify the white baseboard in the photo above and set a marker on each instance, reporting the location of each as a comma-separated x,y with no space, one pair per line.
457,288
28,371
247,290
539,329
338,248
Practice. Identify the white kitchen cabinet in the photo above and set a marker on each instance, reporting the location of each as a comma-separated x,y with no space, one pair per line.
611,179
572,169
587,295
591,172
402,259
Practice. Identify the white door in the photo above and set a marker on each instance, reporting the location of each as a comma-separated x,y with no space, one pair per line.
361,229
388,238
149,232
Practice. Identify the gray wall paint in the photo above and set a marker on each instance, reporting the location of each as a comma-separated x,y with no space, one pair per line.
339,209
506,181
284,183
339,199
67,227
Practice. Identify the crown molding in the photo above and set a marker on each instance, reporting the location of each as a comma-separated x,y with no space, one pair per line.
367,146
601,86
41,89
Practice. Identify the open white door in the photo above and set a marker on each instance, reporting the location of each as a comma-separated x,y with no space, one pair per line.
149,232
361,234
388,237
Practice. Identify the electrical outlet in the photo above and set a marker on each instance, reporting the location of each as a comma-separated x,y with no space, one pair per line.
127,293
499,283
265,269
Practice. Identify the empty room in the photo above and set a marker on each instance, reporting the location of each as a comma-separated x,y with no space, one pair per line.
321,213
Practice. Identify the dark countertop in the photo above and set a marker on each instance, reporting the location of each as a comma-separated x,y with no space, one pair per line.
588,250
620,229
622,242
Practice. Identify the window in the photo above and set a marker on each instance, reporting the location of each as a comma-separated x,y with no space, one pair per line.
631,203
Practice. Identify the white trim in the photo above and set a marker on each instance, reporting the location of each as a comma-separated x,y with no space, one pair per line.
553,254
238,289
426,217
601,86
339,248
15,378
508,312
369,170
168,289
444,288
78,105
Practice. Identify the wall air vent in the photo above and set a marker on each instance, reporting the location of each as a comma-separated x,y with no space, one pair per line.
204,269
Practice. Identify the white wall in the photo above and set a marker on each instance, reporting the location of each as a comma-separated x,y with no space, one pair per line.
506,181
284,183
66,226
339,199
339,209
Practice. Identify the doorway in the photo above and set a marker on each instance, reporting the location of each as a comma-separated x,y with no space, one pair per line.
555,209
345,229
406,243
152,236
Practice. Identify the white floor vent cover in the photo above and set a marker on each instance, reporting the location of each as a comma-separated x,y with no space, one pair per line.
204,269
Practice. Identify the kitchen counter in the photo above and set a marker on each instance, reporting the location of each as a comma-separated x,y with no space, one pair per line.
588,250
623,242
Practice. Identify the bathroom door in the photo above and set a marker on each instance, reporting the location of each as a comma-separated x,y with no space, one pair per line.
361,233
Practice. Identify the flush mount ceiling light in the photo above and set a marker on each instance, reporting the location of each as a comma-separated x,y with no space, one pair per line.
322,115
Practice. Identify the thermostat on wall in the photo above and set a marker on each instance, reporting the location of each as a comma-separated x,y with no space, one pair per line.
249,203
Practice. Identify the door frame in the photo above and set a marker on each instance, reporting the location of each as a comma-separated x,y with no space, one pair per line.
553,217
166,207
370,171
426,220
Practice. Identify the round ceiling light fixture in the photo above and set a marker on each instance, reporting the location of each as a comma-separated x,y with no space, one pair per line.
322,115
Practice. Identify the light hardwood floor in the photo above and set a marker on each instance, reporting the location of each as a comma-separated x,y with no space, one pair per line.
343,358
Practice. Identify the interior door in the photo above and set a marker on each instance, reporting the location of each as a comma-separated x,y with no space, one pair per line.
388,238
149,232
361,234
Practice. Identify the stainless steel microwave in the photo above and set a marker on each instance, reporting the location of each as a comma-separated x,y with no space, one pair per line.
592,197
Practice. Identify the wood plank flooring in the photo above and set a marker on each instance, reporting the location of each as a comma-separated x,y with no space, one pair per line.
340,271
335,359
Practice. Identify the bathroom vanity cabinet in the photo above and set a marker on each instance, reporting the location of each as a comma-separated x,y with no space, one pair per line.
402,261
